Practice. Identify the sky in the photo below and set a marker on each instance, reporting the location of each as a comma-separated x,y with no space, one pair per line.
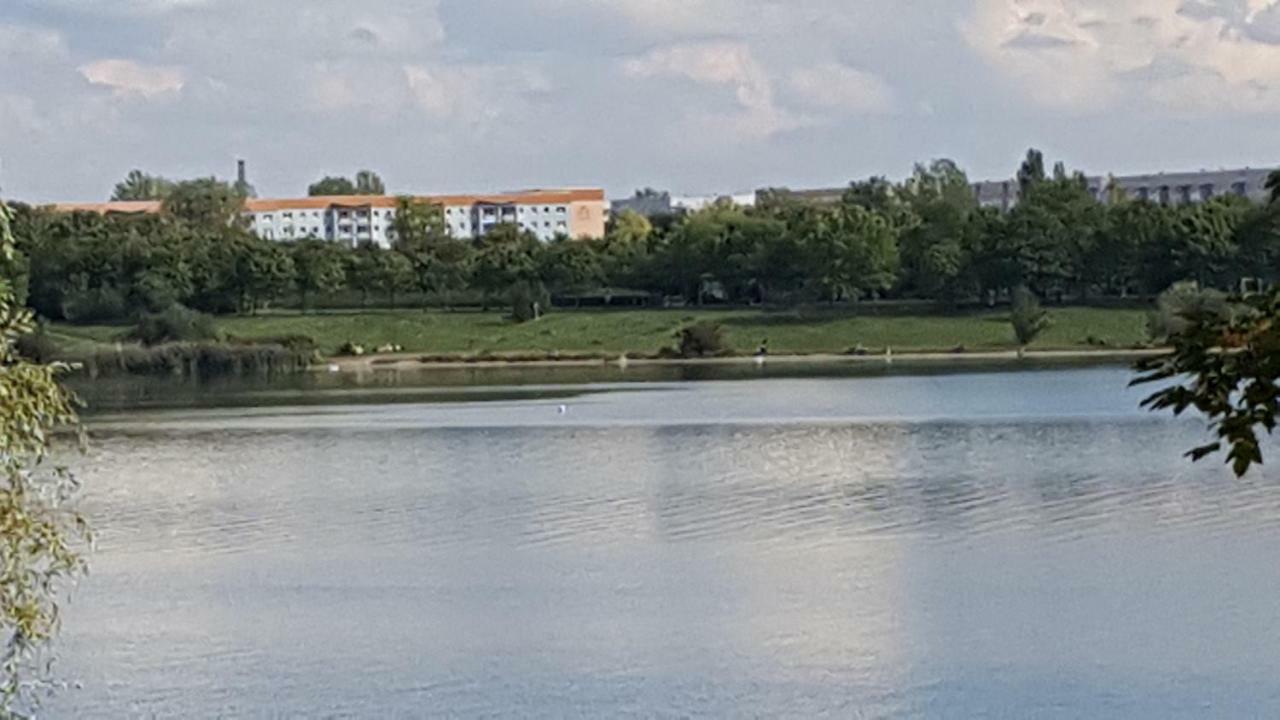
694,96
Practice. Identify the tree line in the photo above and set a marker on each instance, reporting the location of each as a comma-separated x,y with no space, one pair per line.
923,238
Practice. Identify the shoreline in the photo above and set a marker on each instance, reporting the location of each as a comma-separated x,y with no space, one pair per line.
417,361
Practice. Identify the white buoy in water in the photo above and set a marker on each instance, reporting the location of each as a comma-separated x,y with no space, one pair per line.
333,367
622,361
563,409
888,356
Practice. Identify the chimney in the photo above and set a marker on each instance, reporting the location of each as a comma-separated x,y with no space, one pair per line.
241,180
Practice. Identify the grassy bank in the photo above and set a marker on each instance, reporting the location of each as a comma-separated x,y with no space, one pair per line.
644,331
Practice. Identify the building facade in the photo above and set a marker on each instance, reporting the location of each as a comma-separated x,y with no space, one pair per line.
1179,188
355,219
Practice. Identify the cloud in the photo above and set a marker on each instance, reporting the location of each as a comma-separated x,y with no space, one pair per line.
835,86
720,64
130,78
1089,55
21,43
474,93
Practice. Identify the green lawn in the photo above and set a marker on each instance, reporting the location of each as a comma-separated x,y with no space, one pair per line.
644,331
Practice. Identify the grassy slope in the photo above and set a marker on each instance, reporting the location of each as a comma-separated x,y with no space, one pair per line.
644,331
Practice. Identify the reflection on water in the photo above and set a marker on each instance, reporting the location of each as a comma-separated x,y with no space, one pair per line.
430,384
948,546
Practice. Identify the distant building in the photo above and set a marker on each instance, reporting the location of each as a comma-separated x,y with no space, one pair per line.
694,203
355,219
1164,188
649,204
816,196
1178,188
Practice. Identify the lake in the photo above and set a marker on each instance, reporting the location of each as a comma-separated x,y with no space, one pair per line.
893,545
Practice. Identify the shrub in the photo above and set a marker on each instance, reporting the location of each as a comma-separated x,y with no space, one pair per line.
529,301
351,349
701,339
290,342
1027,318
1180,305
37,346
176,324
96,305
199,360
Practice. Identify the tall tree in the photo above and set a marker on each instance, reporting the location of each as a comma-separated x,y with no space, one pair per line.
208,201
1031,172
40,534
440,261
368,183
1273,185
851,251
504,257
138,185
933,255
331,186
318,268
570,265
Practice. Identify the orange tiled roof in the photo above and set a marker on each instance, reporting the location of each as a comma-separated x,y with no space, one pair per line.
129,207
525,197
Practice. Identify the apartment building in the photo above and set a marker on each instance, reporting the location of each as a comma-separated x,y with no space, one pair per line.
355,219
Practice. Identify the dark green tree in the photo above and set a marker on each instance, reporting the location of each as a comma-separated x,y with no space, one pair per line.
207,202
319,267
369,183
138,185
331,186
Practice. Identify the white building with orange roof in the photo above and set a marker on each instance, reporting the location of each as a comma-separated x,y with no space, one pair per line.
355,219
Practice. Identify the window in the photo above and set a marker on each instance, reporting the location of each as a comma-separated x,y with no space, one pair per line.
1240,189
1144,194
1184,194
1164,195
561,210
1206,191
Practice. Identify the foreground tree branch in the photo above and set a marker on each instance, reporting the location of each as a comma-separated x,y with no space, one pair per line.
40,533
1225,366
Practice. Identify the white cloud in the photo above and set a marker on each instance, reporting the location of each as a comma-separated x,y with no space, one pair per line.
131,78
835,86
473,93
20,43
126,7
1185,55
724,65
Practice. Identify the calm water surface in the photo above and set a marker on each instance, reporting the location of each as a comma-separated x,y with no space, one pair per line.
1020,545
